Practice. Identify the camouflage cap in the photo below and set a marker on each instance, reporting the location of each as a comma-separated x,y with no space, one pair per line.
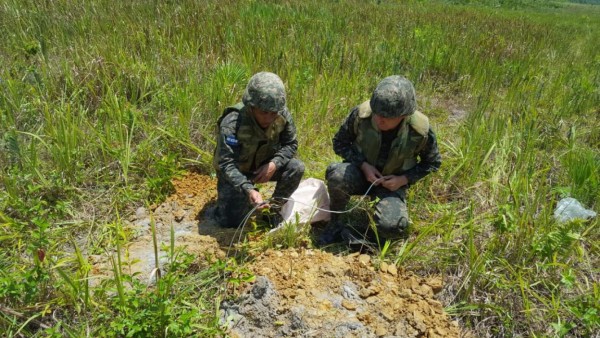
265,91
394,97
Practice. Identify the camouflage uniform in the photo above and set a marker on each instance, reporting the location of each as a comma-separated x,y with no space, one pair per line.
410,149
243,146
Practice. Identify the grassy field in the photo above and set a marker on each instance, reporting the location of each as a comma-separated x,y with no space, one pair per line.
102,103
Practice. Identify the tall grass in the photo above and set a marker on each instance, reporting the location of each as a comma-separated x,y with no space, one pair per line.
105,101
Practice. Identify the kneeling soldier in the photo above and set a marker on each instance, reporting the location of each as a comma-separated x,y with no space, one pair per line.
256,144
384,141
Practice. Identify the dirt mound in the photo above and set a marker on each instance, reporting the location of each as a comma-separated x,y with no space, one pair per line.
297,292
311,293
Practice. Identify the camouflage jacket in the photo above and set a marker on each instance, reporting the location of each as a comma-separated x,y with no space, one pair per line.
242,146
419,160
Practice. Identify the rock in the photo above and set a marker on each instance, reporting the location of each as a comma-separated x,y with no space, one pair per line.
404,329
380,331
387,314
350,291
261,287
179,215
364,317
406,293
364,259
426,290
367,292
142,223
419,320
296,321
436,306
392,270
141,212
436,284
349,305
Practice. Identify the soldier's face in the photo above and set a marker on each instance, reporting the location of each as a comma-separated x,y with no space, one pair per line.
387,123
263,118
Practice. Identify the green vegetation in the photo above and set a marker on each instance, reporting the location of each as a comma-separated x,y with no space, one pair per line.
593,2
102,103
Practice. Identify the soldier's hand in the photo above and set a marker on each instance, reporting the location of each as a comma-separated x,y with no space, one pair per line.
393,182
371,173
264,173
256,199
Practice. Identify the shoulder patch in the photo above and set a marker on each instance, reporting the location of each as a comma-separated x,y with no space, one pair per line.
231,140
364,110
420,123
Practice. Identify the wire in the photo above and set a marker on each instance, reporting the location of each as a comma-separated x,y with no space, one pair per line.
242,224
334,211
240,227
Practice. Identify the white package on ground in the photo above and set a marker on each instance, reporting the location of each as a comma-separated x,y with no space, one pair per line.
569,208
302,206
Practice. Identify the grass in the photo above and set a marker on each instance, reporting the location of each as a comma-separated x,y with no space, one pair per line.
101,103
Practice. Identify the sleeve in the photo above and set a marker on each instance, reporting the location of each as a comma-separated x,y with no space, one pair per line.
430,160
344,141
228,150
288,141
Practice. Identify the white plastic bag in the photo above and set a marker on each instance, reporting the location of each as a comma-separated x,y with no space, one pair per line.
310,195
570,208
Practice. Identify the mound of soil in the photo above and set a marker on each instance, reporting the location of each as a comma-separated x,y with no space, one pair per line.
297,292
311,293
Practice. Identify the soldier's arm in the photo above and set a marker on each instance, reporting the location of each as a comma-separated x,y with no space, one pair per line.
430,160
343,141
288,141
228,148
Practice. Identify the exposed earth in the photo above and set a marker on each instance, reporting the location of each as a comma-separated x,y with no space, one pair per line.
302,292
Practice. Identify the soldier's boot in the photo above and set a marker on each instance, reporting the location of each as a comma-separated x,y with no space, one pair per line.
213,218
331,234
210,217
272,218
356,242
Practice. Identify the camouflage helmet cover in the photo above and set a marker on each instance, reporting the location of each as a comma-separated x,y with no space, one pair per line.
265,91
394,97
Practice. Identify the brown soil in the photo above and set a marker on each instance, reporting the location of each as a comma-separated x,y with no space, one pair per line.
297,292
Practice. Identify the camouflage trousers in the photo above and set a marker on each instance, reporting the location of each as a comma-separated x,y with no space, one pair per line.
233,204
391,213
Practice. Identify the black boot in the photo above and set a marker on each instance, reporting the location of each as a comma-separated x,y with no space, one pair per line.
357,242
331,234
272,218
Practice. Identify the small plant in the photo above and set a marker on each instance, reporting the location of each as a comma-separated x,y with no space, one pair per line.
159,179
289,235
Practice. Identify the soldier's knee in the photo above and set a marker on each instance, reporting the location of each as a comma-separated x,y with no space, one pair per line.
298,167
334,175
294,169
